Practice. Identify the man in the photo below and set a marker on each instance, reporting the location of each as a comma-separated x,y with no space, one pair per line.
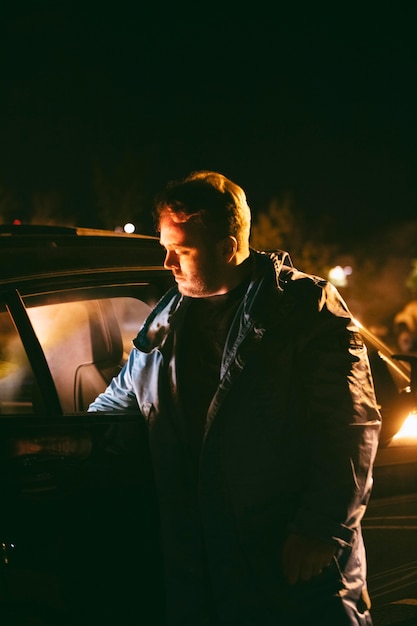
263,424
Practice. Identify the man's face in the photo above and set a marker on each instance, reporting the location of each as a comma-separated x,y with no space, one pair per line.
198,264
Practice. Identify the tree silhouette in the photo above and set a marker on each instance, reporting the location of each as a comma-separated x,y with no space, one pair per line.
121,194
48,209
8,205
283,227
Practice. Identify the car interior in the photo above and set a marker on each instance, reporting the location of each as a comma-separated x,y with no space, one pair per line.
85,340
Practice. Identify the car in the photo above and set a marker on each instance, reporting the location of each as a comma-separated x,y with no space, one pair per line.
78,528
79,523
390,523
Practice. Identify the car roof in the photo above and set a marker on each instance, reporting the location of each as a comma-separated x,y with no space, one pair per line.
29,251
46,230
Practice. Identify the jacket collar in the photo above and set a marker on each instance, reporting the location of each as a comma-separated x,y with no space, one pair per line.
169,311
159,321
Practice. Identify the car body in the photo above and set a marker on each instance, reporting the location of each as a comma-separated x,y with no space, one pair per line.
390,522
79,524
78,527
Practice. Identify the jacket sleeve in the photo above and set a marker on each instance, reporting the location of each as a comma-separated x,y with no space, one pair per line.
120,393
343,421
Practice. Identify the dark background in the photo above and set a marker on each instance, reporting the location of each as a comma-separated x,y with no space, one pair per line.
317,104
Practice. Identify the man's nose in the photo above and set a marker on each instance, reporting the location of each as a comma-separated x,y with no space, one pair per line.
171,260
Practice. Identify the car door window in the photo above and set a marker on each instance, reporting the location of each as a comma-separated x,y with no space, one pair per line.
86,343
130,314
18,389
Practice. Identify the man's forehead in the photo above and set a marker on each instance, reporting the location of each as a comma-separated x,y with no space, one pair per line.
187,234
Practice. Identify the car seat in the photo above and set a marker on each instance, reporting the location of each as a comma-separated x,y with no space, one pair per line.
92,377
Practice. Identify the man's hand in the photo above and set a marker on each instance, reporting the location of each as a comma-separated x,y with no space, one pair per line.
305,557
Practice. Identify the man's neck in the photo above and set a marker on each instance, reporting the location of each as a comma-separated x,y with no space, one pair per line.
241,272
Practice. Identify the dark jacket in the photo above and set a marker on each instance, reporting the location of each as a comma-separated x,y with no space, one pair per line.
289,445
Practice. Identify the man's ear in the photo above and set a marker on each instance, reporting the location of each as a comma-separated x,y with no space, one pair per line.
229,248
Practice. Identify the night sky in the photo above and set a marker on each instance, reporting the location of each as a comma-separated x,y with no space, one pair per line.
322,107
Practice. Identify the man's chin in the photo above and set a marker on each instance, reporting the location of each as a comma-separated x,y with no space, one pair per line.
192,290
189,291
182,288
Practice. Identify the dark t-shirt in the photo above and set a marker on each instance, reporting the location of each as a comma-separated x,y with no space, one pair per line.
204,334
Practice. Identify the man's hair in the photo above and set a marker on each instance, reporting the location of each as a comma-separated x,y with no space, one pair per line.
211,199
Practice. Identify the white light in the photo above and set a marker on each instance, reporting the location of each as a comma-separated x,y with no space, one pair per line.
337,276
129,228
409,428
